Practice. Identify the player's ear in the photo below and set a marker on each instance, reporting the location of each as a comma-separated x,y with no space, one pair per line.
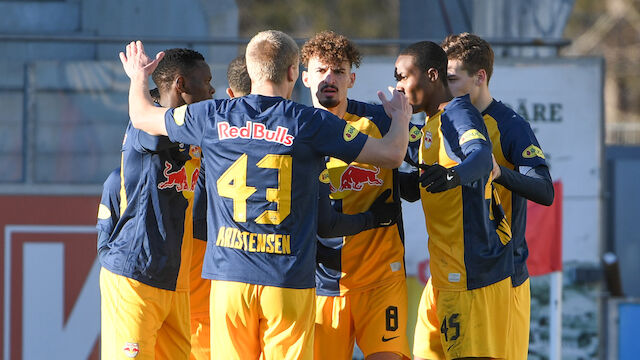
432,75
230,93
180,84
293,72
305,78
481,76
352,79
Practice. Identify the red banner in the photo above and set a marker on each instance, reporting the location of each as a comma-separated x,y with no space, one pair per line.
544,235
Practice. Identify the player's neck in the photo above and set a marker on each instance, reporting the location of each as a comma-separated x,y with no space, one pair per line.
484,100
269,88
338,110
438,101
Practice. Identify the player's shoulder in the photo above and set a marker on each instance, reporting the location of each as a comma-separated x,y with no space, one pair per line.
373,112
506,118
361,108
113,180
460,110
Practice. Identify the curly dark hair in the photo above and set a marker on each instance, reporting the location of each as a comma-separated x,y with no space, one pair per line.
473,52
330,48
175,62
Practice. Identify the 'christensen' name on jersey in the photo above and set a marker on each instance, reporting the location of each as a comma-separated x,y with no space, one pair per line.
252,242
255,131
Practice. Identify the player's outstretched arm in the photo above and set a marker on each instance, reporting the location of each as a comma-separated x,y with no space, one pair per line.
389,151
138,66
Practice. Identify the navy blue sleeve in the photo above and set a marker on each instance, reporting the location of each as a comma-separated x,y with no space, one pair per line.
187,123
519,144
144,142
333,136
535,185
332,223
109,208
472,139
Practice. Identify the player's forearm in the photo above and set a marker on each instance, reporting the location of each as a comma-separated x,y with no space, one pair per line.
476,165
143,113
389,151
535,185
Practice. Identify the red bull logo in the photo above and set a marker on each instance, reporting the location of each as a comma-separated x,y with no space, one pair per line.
131,350
355,177
178,179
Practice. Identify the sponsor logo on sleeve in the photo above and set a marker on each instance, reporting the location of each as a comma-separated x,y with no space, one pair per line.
532,151
178,114
471,134
350,132
414,134
103,212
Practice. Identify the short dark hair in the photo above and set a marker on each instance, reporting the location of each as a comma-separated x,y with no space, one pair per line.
473,52
175,62
330,48
238,77
426,55
155,95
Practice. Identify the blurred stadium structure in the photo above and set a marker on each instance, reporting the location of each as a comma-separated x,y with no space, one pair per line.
64,100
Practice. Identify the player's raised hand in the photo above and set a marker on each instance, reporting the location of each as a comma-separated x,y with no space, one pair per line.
135,61
398,107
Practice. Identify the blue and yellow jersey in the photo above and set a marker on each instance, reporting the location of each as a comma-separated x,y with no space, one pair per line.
354,187
514,146
263,157
108,210
152,240
469,240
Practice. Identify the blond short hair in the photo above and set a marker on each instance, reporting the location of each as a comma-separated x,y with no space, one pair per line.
269,54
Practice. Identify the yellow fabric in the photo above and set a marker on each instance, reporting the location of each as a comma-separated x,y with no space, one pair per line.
200,289
382,247
376,319
520,322
426,341
475,323
142,321
256,321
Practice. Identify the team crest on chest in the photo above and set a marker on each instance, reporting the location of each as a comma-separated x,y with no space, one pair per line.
195,152
428,139
131,349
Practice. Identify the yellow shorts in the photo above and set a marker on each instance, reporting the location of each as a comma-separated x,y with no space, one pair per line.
257,321
375,318
142,321
426,341
200,289
475,323
520,322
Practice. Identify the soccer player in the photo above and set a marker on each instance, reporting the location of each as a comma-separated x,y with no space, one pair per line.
356,300
144,280
519,168
263,155
469,239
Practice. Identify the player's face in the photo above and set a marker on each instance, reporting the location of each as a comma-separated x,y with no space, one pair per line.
328,83
412,81
198,84
460,82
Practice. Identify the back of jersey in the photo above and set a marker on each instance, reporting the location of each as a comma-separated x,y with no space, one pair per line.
263,157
